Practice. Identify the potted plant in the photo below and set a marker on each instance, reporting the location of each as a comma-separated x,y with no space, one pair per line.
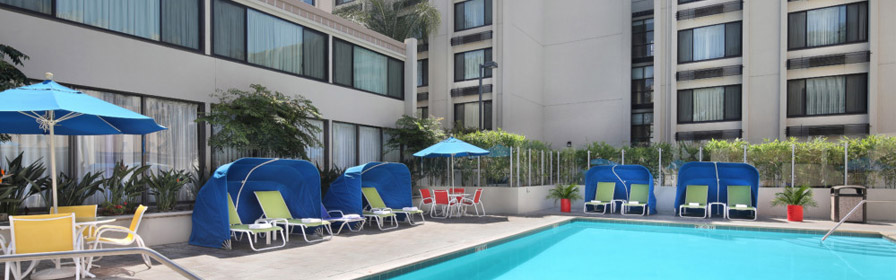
795,199
165,185
564,193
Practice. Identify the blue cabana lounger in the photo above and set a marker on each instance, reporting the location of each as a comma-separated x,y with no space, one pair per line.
297,180
716,177
623,176
391,180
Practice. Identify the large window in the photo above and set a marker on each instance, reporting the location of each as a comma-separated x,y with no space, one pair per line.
642,86
40,6
709,42
828,26
709,104
423,112
261,39
466,64
642,39
472,13
832,95
642,127
367,70
467,115
422,72
357,144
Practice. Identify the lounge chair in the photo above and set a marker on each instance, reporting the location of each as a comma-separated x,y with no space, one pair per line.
237,228
375,202
638,196
603,197
276,212
741,197
695,197
337,216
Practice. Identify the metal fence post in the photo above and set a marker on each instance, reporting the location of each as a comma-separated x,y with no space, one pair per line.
846,163
792,165
623,156
510,178
518,182
479,170
745,153
529,167
551,167
700,153
542,168
589,159
659,167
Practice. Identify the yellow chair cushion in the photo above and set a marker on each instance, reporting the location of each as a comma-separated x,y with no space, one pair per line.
43,233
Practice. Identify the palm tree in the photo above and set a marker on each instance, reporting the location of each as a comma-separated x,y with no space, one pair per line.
399,19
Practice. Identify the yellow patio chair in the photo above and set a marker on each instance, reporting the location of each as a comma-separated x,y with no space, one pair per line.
98,240
41,234
80,211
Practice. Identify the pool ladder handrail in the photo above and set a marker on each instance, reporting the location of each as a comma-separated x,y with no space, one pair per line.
102,253
850,214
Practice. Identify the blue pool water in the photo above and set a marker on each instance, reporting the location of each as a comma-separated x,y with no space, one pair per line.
599,250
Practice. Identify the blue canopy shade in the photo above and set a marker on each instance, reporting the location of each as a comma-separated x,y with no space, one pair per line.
392,180
75,113
624,176
297,180
451,147
718,176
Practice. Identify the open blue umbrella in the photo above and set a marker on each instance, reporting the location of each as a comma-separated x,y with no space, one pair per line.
451,147
51,109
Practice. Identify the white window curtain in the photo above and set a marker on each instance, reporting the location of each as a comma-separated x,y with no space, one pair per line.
472,60
274,43
390,154
370,71
175,148
709,42
371,144
826,26
709,104
316,153
229,30
471,115
180,24
826,95
344,143
135,17
474,13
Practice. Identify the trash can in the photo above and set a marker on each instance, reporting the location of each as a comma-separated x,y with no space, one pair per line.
844,199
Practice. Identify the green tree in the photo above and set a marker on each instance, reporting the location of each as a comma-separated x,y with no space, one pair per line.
10,76
398,19
413,134
262,122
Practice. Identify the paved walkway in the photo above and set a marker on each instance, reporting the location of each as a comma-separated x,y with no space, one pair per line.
370,251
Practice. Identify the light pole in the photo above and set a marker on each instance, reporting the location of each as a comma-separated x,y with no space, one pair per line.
482,67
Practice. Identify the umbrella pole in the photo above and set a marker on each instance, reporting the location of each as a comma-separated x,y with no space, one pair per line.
53,161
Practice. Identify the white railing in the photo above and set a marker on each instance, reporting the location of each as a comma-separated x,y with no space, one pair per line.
102,253
850,214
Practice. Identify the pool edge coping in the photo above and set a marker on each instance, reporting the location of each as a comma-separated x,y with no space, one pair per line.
419,264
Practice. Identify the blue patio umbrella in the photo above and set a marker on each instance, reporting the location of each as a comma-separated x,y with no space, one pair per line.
451,147
49,108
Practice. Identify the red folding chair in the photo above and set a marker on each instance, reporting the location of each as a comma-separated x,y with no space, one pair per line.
444,202
426,199
476,202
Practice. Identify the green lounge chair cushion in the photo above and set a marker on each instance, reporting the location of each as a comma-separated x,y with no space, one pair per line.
273,205
234,217
605,191
373,198
696,194
739,195
379,215
639,193
260,230
595,203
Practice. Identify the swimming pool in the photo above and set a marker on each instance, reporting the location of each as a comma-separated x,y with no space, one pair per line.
606,250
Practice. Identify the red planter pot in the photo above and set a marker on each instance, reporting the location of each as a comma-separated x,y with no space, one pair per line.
564,205
795,213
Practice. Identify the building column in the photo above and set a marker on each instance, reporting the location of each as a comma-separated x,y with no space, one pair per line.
410,76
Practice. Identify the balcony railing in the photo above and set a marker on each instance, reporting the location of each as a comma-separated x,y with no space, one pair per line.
422,96
710,10
828,130
709,73
474,90
708,134
475,37
828,60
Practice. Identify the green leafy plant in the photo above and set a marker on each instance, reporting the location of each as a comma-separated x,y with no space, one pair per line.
559,192
10,76
328,176
72,191
24,181
197,179
165,185
794,196
413,134
125,185
397,19
262,122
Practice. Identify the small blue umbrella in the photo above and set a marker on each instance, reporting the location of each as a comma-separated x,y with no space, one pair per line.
600,161
451,147
51,109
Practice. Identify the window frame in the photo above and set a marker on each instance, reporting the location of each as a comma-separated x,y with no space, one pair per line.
352,86
724,93
644,33
53,16
806,21
485,7
357,150
327,45
490,73
845,84
425,66
724,38
485,125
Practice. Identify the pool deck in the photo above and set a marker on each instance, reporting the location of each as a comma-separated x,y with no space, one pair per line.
355,255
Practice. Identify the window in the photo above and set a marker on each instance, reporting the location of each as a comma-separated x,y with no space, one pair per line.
422,72
367,70
171,21
472,13
340,2
466,64
642,127
709,42
687,1
642,39
318,153
357,144
834,95
422,112
828,26
709,104
267,41
309,2
467,115
642,86
40,6
371,144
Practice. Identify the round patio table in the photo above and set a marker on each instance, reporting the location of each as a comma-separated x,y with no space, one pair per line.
65,272
459,197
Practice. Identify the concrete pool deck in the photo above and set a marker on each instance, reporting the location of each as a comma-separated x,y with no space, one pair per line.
355,255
